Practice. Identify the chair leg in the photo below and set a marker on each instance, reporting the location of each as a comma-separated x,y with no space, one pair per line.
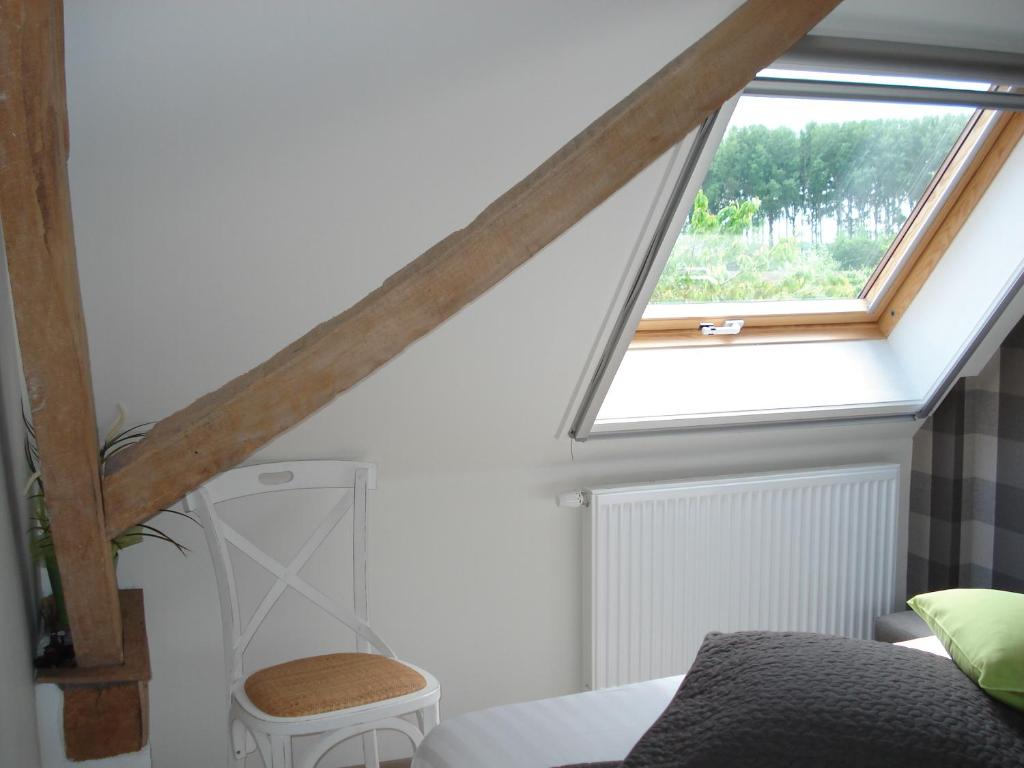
428,717
239,741
264,748
371,757
280,751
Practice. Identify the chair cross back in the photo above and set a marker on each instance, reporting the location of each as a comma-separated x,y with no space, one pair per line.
353,479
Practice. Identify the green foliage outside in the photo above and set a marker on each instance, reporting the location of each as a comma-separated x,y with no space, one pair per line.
756,231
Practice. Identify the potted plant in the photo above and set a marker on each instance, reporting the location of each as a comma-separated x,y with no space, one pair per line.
55,618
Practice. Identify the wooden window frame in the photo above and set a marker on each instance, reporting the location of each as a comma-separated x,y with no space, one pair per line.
970,167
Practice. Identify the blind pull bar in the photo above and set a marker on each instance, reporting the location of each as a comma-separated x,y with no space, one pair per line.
824,53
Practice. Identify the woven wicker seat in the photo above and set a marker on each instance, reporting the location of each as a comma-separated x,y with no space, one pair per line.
328,683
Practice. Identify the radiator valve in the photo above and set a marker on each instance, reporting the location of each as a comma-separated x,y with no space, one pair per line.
574,499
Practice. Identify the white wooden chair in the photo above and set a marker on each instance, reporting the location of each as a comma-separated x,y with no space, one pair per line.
339,695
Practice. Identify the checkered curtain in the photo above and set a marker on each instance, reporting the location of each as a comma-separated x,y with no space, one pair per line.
967,483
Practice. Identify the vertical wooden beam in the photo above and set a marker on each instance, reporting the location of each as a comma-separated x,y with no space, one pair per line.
35,209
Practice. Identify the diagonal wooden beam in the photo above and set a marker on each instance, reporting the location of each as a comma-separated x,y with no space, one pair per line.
225,426
35,208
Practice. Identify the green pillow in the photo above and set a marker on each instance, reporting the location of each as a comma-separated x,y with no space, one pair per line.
983,630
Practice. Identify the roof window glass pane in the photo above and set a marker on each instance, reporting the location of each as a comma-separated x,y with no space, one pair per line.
805,196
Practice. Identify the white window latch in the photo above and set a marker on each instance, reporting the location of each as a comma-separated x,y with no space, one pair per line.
728,328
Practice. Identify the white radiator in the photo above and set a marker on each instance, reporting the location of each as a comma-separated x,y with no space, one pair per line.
811,551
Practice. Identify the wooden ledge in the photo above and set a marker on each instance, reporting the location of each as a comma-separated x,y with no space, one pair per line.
136,652
106,709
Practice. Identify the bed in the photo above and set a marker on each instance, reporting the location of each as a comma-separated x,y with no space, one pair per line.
578,728
591,727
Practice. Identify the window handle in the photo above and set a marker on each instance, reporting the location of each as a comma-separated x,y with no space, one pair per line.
728,328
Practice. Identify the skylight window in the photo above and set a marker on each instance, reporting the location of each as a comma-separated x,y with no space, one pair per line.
809,210
805,197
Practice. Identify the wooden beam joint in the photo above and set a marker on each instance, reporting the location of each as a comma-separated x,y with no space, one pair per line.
106,709
105,720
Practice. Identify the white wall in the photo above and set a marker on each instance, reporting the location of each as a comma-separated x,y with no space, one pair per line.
242,171
18,743
996,25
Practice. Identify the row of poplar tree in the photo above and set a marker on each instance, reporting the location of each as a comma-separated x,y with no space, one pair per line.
864,175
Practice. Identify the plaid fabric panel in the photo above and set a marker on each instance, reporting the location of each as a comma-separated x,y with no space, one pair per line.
1008,517
967,482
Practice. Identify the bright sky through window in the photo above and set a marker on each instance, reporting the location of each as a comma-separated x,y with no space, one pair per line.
805,196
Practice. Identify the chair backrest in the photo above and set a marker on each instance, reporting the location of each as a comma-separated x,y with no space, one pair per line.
353,479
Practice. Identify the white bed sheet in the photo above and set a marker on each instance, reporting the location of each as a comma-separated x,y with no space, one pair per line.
930,644
578,728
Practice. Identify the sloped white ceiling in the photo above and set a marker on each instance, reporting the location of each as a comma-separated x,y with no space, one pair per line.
986,24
